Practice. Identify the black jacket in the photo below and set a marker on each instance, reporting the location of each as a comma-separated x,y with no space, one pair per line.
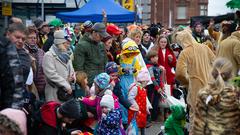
49,42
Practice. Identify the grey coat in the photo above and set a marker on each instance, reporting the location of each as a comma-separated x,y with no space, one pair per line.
56,73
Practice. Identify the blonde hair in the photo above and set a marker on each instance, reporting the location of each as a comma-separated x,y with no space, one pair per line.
221,73
80,78
135,32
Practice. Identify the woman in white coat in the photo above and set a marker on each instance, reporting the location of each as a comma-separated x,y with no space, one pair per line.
57,67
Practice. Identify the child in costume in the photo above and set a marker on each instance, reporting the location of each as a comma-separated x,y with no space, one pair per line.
175,123
111,69
129,67
110,123
138,97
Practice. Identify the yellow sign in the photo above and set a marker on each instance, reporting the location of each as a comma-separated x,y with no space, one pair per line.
6,8
128,4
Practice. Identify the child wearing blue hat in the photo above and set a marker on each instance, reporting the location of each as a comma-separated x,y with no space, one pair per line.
102,83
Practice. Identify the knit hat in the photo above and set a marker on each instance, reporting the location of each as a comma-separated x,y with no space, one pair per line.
111,67
107,100
113,30
102,80
71,109
59,37
39,23
87,24
100,27
55,23
143,75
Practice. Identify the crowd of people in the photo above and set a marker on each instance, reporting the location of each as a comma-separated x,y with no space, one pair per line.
100,78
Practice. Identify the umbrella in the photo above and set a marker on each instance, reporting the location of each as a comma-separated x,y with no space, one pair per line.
233,4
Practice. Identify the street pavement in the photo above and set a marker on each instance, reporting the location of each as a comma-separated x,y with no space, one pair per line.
154,129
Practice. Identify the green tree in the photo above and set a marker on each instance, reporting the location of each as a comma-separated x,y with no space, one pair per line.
233,4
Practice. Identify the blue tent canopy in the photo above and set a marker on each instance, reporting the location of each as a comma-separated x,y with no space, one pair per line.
93,11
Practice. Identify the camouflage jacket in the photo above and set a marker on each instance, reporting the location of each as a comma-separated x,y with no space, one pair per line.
11,80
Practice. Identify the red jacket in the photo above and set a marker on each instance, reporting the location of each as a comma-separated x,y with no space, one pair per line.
167,64
48,113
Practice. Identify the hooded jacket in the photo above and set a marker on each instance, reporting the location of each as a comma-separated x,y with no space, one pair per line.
193,66
175,123
90,57
50,124
128,60
230,49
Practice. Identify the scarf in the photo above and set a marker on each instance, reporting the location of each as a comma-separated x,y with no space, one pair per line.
64,56
31,48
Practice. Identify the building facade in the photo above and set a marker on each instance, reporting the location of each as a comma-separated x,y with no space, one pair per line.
177,12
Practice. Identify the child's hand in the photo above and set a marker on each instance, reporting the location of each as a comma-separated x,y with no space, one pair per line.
162,68
170,58
76,132
159,90
90,115
81,98
134,108
104,115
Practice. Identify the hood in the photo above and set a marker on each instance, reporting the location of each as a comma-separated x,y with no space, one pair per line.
177,111
18,117
130,47
236,34
48,113
185,38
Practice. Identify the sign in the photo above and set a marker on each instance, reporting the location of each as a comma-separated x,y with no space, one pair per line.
128,4
6,8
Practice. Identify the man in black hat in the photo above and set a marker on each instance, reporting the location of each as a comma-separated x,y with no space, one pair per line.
90,55
54,116
43,30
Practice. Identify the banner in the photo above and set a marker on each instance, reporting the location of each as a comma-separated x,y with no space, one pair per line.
128,4
6,8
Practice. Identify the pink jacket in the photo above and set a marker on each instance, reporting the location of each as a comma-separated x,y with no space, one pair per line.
96,102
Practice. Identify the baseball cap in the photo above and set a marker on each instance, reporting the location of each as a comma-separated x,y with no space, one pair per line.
100,27
113,30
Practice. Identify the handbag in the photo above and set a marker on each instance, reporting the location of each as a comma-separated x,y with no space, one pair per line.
63,95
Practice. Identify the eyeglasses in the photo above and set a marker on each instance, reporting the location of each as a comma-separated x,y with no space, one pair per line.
131,48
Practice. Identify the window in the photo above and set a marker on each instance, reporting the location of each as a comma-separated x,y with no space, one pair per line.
181,12
203,10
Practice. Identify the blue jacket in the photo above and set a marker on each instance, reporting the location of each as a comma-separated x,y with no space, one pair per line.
111,124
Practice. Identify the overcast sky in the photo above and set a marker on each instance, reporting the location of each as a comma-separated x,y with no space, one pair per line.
218,7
